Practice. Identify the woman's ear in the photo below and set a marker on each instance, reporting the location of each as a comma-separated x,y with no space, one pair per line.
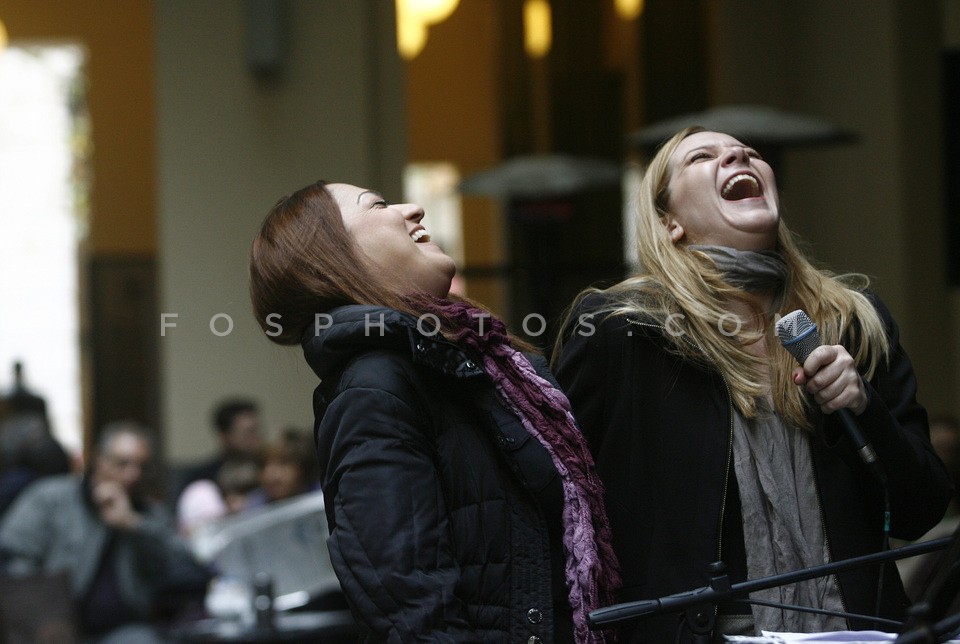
674,229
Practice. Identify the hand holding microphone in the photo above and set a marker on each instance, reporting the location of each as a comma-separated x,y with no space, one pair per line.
837,386
830,375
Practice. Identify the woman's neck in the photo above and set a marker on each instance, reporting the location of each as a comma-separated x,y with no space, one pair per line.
750,312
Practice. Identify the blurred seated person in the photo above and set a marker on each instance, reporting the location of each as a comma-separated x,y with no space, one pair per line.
117,545
945,438
237,425
290,467
207,500
28,451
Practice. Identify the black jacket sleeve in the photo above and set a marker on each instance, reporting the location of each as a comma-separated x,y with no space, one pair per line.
897,427
390,542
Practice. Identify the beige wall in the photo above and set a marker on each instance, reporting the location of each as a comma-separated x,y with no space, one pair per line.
874,206
951,24
229,146
119,42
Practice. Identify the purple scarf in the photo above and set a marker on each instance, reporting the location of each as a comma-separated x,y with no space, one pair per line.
592,570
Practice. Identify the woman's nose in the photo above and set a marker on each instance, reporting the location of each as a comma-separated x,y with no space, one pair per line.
735,153
413,212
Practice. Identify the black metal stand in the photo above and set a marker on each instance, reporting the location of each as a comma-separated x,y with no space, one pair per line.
930,620
698,605
700,618
930,633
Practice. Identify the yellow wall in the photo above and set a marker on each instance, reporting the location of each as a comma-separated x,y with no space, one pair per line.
453,106
118,37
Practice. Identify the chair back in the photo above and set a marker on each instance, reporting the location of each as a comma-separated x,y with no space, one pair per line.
37,609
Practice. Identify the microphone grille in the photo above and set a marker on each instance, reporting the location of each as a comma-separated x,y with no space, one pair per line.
798,334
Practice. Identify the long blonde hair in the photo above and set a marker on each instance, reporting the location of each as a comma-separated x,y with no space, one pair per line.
675,280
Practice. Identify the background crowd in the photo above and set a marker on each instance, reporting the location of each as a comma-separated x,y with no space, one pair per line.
107,540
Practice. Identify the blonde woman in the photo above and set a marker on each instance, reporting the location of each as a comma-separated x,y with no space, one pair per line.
712,443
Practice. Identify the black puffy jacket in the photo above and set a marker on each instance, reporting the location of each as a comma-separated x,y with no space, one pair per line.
438,499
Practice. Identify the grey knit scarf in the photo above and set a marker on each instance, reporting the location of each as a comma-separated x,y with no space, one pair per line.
753,271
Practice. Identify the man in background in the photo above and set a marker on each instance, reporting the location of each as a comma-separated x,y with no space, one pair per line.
118,547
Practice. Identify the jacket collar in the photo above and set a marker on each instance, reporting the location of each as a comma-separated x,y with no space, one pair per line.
346,331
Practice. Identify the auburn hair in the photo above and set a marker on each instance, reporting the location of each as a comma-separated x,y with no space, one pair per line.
304,262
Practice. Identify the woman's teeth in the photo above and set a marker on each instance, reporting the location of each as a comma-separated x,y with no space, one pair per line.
421,236
741,186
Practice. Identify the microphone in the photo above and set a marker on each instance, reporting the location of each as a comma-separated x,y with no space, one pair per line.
799,335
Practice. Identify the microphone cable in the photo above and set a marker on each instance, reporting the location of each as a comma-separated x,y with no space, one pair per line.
799,336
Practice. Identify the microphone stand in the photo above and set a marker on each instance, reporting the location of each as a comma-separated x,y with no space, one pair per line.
698,605
930,633
928,621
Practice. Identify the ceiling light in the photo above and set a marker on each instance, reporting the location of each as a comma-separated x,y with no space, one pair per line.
537,28
628,9
413,19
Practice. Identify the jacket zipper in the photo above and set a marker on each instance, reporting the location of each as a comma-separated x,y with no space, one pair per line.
726,470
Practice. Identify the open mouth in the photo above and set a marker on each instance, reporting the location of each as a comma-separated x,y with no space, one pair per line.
741,186
420,236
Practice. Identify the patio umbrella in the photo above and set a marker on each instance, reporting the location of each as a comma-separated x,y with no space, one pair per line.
755,125
543,176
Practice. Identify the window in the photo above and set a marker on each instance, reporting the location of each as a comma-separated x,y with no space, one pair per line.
43,208
433,186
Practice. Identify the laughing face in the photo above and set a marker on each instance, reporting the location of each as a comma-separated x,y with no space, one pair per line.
721,193
393,239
